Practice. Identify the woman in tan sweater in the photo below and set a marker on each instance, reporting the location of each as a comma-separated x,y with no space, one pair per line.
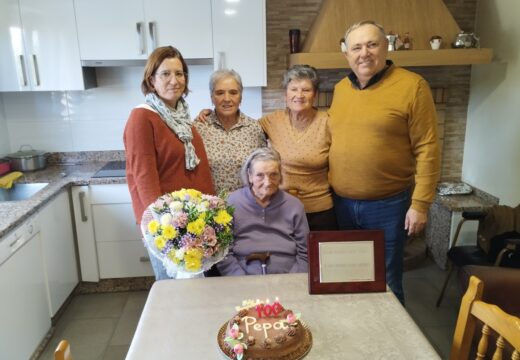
301,135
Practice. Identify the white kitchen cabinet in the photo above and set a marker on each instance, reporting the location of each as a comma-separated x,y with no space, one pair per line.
132,29
109,241
24,314
239,39
59,252
39,47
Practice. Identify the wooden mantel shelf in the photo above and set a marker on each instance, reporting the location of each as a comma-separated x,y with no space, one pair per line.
442,57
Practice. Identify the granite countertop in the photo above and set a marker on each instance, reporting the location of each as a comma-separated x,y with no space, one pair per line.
469,202
59,177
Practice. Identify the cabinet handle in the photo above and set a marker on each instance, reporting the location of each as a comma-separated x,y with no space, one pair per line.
36,71
12,244
221,60
22,70
84,217
139,27
144,259
152,26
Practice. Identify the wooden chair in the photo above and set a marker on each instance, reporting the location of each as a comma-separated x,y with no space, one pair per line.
472,308
62,352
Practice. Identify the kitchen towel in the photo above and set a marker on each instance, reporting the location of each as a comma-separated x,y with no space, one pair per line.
6,182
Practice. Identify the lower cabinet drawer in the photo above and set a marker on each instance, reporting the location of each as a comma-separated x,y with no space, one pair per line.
123,259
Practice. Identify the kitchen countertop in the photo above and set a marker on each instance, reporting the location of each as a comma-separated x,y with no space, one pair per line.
470,202
59,177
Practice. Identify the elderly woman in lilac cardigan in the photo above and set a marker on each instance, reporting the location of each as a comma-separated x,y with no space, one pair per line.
267,220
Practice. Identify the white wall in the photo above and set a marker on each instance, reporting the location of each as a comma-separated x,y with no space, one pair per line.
4,135
94,119
492,147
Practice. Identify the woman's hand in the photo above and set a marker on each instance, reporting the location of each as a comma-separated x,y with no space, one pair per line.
203,115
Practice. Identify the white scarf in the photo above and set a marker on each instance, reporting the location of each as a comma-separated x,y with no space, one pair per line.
179,121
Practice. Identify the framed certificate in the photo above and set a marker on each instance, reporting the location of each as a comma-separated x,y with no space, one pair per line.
346,261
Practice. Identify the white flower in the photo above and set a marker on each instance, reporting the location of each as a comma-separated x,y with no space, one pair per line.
179,254
202,207
166,219
176,206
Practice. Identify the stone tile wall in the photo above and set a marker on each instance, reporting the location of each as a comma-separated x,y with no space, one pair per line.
283,15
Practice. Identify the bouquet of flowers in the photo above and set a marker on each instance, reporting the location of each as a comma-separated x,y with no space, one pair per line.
189,231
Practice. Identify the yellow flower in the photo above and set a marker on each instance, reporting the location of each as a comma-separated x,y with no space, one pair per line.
194,194
193,259
193,265
196,227
223,217
153,227
169,231
194,253
160,242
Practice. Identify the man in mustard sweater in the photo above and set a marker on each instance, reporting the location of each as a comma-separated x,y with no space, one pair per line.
384,156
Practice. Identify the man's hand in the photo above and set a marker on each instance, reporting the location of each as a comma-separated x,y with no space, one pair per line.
414,221
203,115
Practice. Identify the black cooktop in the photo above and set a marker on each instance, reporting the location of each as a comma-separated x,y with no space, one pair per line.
112,169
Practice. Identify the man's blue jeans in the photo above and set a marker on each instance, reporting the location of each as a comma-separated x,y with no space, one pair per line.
386,214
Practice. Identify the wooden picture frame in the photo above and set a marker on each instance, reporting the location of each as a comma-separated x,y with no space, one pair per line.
346,261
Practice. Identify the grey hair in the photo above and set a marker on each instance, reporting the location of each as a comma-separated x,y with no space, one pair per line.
362,23
260,154
224,74
301,72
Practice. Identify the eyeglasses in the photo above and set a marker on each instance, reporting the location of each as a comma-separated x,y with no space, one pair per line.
167,75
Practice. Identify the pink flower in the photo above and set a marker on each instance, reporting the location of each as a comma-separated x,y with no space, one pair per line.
180,220
238,349
233,333
291,318
208,252
209,236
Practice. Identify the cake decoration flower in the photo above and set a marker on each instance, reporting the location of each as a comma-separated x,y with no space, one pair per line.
233,340
293,318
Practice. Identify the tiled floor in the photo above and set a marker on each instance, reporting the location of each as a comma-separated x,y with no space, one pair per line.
422,287
101,326
98,326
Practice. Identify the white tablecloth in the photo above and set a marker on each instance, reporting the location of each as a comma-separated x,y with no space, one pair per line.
181,318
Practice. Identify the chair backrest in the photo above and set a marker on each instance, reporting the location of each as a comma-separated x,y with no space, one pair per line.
472,308
62,352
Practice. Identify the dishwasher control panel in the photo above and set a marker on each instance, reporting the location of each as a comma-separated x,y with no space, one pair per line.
10,243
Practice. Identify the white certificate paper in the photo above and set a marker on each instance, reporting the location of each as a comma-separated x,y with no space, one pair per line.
349,261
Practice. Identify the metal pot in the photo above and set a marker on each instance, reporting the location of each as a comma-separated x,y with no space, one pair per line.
28,160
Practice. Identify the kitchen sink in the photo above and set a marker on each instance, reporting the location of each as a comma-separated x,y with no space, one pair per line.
21,191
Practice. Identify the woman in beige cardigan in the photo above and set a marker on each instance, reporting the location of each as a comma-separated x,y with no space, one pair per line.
300,134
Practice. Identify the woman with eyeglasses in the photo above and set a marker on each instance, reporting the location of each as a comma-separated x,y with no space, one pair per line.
270,232
164,152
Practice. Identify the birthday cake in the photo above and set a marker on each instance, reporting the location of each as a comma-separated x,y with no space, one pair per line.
264,331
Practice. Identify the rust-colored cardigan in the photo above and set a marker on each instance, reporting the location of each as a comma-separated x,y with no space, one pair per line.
155,161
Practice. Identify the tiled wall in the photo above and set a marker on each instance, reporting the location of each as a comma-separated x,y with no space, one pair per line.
94,119
288,14
4,136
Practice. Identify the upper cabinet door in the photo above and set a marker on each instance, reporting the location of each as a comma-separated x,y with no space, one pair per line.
13,62
132,29
111,30
183,24
239,39
39,46
51,42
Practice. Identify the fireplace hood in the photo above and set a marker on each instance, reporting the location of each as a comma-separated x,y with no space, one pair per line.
421,19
